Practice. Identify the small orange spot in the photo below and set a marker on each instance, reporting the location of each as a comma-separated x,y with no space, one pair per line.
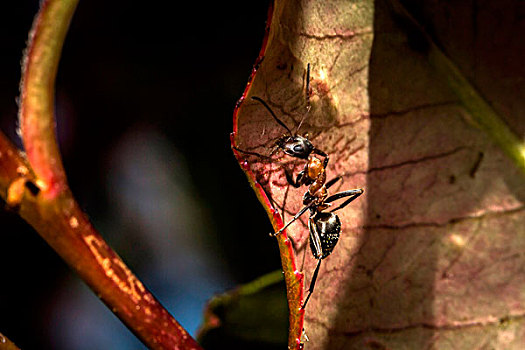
457,240
15,192
322,74
73,222
147,310
22,170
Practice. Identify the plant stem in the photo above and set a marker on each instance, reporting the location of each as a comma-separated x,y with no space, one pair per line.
12,164
53,211
37,120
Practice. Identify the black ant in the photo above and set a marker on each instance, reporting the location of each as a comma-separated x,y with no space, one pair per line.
324,227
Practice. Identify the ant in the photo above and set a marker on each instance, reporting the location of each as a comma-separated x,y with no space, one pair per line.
298,146
324,226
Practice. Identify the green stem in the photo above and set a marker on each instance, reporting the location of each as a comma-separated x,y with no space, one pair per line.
37,120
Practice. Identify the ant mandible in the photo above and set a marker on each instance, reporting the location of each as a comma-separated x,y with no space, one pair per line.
324,226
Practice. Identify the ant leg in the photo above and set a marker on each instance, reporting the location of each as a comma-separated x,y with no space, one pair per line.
289,178
319,152
256,98
333,181
325,161
298,182
322,154
353,194
251,153
312,283
273,203
299,213
315,240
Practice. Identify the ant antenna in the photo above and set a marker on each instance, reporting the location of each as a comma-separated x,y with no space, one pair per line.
256,98
308,106
302,120
308,84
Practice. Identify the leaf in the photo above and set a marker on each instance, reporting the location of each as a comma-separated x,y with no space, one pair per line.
252,316
432,255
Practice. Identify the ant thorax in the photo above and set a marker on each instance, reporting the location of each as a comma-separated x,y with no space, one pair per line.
315,167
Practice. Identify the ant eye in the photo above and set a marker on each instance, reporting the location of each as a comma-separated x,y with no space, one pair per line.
298,148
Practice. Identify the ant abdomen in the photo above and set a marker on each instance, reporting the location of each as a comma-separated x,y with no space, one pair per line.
328,227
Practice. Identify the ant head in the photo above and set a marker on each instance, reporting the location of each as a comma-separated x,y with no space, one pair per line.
295,146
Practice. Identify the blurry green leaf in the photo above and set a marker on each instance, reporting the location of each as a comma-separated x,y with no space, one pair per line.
253,316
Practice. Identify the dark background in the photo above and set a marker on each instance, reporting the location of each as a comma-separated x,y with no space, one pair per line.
145,96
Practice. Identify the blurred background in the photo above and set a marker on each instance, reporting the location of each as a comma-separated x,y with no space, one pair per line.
145,96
